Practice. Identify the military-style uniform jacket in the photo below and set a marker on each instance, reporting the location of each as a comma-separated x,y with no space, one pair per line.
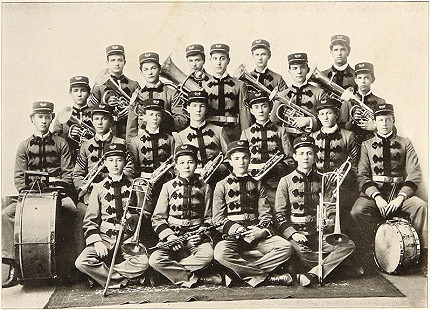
240,201
172,106
81,113
105,210
296,203
210,140
343,78
269,79
388,160
148,150
89,155
50,154
227,97
183,205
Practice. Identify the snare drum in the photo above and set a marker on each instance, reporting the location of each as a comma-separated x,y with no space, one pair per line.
396,245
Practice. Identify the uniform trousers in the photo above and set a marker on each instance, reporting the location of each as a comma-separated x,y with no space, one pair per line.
179,266
366,216
132,266
275,250
79,226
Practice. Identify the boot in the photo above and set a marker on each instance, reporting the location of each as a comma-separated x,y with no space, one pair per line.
282,279
215,279
306,279
12,279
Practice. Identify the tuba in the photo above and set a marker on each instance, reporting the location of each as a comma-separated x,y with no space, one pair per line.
272,162
338,93
85,131
121,101
211,166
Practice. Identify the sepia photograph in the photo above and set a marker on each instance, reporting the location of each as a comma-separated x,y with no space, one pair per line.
222,154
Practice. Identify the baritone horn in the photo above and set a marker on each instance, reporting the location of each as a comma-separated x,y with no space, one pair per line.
86,132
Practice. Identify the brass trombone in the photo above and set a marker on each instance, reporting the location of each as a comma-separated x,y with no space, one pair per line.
85,131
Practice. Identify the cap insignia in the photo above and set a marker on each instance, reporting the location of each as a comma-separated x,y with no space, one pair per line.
43,104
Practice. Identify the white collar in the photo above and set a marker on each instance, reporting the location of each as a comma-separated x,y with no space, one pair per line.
197,127
367,94
38,134
154,86
301,85
341,68
116,179
387,135
154,132
225,74
264,70
104,137
329,130
264,123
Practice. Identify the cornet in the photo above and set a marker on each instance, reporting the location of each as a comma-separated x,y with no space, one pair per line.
85,131
272,162
211,166
121,102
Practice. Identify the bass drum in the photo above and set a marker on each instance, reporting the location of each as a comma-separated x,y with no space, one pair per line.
396,245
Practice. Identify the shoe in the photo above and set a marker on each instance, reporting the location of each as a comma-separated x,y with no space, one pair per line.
215,279
282,279
359,270
306,279
12,279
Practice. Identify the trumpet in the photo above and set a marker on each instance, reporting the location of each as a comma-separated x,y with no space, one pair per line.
272,162
211,166
121,102
85,131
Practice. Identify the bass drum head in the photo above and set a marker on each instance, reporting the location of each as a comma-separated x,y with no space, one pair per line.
388,248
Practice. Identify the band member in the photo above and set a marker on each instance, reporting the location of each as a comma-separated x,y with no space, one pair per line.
265,140
261,53
115,80
79,92
42,151
295,206
240,206
102,222
90,160
195,55
155,89
209,139
175,216
148,150
388,176
227,95
364,78
301,93
340,72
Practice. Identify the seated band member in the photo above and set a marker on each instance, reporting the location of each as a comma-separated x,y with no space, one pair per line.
388,166
155,89
114,80
227,95
103,220
42,151
296,203
79,91
195,55
184,206
261,53
240,206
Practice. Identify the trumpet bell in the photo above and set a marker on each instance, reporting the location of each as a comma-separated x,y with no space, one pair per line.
336,238
133,248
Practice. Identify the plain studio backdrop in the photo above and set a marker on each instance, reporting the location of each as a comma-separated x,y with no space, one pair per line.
44,44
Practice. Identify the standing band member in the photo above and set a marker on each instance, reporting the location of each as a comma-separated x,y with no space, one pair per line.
195,55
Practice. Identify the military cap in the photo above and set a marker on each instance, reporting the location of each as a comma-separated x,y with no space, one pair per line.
340,39
297,58
102,108
197,96
194,49
257,97
303,141
153,104
79,80
220,48
260,43
364,67
383,109
115,50
113,149
238,146
43,107
186,149
149,57
328,103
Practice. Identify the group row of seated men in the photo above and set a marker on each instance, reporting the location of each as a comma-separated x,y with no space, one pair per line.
274,214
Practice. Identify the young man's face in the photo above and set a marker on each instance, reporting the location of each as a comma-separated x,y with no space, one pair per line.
151,72
261,57
298,72
261,111
340,54
42,121
116,64
195,62
327,117
384,123
186,166
79,95
305,157
219,62
153,119
115,164
240,162
102,123
197,111
364,82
